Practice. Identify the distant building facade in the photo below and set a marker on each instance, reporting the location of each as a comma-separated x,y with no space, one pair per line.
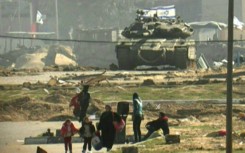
218,10
96,47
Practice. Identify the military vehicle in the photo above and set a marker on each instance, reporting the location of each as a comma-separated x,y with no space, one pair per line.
154,41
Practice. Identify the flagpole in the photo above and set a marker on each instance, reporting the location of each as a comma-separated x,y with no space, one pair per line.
31,14
57,19
19,20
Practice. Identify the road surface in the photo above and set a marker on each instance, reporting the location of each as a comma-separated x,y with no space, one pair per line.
13,135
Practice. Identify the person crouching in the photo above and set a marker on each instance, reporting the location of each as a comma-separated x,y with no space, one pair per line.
160,123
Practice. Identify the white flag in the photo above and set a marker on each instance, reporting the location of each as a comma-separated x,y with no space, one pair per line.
39,18
163,12
238,24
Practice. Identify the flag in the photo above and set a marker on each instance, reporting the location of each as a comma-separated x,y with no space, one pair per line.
163,12
39,18
238,24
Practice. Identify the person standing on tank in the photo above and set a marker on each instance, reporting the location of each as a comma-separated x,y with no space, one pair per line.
137,116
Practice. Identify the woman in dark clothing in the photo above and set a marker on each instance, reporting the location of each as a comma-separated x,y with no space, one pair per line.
137,116
106,126
160,123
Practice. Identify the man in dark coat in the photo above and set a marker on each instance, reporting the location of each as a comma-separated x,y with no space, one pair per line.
83,98
160,123
107,128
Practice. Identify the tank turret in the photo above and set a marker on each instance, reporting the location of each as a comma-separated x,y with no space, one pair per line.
153,41
155,27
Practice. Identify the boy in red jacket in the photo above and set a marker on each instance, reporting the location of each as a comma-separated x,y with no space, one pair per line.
67,131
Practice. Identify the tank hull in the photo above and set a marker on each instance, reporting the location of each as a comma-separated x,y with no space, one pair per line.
177,53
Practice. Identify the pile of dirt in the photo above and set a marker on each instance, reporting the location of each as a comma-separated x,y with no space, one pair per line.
55,106
25,108
96,107
56,98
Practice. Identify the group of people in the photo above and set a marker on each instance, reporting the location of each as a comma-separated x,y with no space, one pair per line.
160,123
106,128
80,102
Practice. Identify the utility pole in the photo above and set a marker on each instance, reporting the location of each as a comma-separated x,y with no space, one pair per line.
229,78
19,20
19,16
57,19
31,15
1,18
34,15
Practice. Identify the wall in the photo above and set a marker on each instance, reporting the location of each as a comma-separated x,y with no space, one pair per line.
98,50
217,10
243,10
237,34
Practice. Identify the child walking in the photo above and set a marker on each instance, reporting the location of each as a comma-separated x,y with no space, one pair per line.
67,131
87,131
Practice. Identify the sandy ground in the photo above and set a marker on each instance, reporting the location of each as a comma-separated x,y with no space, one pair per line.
14,133
45,76
42,77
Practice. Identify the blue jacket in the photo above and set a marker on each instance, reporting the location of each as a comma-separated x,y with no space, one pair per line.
137,106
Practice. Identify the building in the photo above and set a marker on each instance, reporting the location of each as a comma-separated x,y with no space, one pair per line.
96,47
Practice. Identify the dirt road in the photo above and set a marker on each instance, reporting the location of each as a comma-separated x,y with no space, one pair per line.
45,76
14,133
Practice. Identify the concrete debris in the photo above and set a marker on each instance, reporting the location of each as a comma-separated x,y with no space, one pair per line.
61,59
30,61
46,90
202,63
52,82
156,134
222,63
189,119
59,55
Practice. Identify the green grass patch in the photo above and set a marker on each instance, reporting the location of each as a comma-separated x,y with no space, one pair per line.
115,93
193,92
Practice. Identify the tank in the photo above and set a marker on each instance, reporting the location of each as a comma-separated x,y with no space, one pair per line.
153,41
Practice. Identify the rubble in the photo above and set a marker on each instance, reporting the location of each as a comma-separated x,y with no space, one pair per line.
23,58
